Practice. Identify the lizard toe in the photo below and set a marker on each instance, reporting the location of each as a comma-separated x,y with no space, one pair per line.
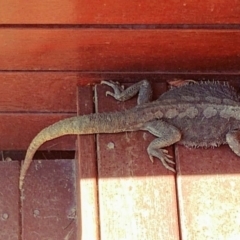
168,167
109,93
163,156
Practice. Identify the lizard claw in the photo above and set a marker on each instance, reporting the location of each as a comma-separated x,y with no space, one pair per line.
106,82
109,93
163,156
117,89
111,83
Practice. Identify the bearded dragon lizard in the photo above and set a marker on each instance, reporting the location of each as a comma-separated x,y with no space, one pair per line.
198,114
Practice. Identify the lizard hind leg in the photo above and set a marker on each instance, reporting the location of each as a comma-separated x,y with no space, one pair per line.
119,93
167,135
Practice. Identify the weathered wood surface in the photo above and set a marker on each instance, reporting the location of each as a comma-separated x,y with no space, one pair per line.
87,174
125,185
49,201
32,101
137,199
17,131
9,201
48,48
208,192
119,12
120,50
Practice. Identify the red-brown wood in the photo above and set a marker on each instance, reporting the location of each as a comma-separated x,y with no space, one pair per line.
208,192
123,195
87,178
119,12
120,50
48,92
54,92
18,130
38,92
9,201
49,201
137,199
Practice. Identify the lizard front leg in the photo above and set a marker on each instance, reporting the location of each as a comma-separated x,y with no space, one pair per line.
143,88
167,135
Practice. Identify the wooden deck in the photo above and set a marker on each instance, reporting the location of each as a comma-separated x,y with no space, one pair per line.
103,187
113,191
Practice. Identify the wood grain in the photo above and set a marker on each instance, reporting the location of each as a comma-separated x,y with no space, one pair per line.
9,201
137,199
207,183
87,177
120,50
55,92
17,131
49,201
32,101
38,92
119,12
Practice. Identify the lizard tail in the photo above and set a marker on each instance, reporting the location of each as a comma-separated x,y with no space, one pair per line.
87,124
60,128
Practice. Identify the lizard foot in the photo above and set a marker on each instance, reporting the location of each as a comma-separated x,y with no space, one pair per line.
143,88
117,89
163,156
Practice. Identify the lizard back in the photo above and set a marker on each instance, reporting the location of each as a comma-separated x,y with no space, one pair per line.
209,127
211,92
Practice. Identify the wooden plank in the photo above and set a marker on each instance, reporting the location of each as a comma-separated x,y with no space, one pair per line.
9,201
208,188
55,92
17,124
88,224
119,12
38,92
49,201
137,199
120,50
17,131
